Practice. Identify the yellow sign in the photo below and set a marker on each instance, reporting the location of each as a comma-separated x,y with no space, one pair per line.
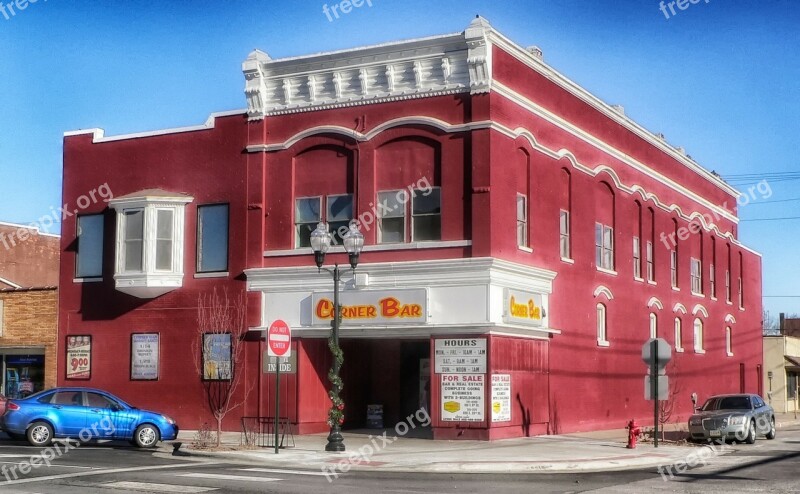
496,406
526,308
452,406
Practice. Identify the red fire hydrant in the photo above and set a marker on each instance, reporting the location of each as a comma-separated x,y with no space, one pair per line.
633,433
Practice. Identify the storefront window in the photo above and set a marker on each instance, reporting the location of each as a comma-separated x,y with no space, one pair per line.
24,375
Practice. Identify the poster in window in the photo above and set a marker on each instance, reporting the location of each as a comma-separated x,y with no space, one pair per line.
79,357
217,356
144,356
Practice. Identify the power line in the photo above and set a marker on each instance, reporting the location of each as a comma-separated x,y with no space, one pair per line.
774,219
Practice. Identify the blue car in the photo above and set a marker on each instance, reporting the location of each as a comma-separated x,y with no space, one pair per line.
84,414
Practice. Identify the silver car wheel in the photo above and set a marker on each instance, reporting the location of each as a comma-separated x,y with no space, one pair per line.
40,434
146,436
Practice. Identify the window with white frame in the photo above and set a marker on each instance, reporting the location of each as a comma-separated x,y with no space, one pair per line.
712,281
602,328
89,255
698,336
563,228
653,325
2,317
696,276
651,275
604,246
673,268
728,341
336,212
637,258
212,238
522,220
424,207
728,286
678,335
150,242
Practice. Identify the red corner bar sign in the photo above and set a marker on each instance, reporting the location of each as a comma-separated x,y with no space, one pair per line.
373,307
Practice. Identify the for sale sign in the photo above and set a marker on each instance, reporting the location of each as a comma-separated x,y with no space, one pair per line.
462,397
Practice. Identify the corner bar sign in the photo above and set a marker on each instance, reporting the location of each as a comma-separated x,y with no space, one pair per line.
279,339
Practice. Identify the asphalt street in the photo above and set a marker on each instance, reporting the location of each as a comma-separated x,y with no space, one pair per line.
103,468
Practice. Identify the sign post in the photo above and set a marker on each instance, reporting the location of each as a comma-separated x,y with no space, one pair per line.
656,352
279,344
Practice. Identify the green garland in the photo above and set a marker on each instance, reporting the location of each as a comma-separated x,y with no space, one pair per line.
336,412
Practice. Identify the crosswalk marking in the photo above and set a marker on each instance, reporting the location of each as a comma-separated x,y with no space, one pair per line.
287,472
216,476
150,487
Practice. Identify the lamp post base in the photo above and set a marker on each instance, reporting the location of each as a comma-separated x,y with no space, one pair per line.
335,442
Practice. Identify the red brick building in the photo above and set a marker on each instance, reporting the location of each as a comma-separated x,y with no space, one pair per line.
535,237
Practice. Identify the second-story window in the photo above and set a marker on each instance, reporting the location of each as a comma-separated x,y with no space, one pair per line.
89,258
522,220
604,246
696,275
338,211
712,281
637,258
651,274
673,267
426,215
564,241
134,239
212,238
728,286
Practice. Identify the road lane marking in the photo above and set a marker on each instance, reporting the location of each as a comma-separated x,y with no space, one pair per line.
217,476
101,472
150,487
287,472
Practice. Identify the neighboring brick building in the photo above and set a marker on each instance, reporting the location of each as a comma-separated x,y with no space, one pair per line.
28,339
28,309
28,257
534,236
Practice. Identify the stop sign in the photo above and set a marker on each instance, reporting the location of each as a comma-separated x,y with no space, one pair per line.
279,339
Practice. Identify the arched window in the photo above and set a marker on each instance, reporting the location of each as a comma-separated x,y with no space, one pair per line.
698,336
602,328
653,325
678,335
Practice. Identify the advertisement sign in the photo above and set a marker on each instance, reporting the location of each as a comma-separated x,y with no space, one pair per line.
501,397
79,357
144,356
524,308
373,307
462,397
217,356
457,355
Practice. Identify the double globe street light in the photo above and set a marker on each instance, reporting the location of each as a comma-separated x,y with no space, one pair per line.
353,242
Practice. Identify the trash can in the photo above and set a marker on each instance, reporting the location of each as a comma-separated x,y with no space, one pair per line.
375,416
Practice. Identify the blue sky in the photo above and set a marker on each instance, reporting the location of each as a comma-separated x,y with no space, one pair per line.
719,78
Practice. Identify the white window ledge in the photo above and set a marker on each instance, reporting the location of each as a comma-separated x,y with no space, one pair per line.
729,302
714,299
87,280
525,248
676,289
696,294
603,343
679,349
147,285
607,271
730,354
568,260
636,278
651,282
306,251
212,275
699,352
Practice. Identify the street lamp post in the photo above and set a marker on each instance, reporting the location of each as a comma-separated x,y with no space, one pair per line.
353,242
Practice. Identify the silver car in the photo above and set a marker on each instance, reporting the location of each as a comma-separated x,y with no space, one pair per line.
739,417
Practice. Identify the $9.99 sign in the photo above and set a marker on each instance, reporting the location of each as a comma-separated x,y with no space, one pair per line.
79,357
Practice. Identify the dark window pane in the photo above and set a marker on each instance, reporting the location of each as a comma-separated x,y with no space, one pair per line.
212,238
89,261
392,230
427,204
307,210
340,208
427,228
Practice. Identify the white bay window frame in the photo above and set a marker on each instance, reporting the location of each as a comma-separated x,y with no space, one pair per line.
154,278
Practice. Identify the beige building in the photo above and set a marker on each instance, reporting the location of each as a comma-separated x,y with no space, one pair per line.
782,363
